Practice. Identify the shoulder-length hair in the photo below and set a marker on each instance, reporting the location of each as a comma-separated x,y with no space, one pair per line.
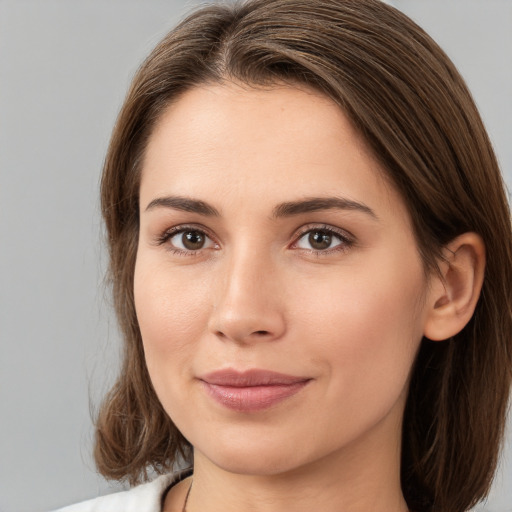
407,100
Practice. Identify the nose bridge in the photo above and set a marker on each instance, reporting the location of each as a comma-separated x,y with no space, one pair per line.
247,303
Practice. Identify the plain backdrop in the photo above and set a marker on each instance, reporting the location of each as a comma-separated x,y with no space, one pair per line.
64,68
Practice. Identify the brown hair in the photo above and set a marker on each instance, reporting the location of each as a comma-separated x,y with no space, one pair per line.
412,107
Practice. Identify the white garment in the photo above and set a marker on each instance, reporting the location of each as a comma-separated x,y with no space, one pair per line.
142,498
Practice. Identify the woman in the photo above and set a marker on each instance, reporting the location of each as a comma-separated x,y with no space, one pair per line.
311,263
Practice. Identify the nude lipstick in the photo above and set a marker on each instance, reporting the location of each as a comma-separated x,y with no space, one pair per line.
252,390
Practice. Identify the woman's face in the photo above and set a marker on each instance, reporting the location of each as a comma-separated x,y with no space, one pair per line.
278,286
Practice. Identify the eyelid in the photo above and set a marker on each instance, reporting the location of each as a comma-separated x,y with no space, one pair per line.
163,237
347,239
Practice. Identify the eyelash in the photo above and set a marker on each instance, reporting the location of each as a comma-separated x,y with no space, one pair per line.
169,233
346,239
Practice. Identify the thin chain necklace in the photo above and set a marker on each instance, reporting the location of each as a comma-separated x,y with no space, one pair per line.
184,509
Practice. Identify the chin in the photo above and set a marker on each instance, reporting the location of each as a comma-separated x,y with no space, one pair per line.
254,463
260,456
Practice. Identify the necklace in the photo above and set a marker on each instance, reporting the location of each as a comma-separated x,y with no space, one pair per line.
184,509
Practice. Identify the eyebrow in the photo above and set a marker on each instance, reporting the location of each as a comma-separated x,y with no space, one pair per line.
314,204
184,204
287,209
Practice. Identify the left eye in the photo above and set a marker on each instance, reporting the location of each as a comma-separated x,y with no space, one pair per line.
319,240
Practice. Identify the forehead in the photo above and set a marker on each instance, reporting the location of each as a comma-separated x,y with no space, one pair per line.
233,140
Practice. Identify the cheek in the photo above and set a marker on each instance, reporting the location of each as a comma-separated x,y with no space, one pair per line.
365,326
172,314
364,336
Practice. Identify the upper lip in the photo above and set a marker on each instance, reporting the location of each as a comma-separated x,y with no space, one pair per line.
248,378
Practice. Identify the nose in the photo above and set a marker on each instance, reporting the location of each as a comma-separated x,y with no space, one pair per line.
249,304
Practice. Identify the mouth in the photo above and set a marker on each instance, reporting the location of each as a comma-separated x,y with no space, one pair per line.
252,390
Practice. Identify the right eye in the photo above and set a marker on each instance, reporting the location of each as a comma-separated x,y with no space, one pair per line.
186,240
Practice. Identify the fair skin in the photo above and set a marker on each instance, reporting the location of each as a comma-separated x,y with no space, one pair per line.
270,239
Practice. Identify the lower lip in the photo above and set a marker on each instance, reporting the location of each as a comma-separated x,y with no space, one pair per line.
252,398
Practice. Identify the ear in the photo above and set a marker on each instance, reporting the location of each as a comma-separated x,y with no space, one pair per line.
453,294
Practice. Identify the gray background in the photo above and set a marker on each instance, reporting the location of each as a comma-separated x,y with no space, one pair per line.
64,68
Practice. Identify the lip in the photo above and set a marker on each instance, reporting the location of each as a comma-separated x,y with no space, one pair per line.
251,390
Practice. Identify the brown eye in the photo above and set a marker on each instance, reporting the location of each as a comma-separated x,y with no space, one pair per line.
319,240
190,240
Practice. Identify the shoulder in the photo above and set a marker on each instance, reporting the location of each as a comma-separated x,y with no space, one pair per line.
142,498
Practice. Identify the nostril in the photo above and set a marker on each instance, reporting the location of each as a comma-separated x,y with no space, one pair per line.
223,335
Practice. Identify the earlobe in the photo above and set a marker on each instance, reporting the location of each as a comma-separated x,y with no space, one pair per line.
454,293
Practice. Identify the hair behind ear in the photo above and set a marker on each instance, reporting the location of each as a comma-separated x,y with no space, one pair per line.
460,383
